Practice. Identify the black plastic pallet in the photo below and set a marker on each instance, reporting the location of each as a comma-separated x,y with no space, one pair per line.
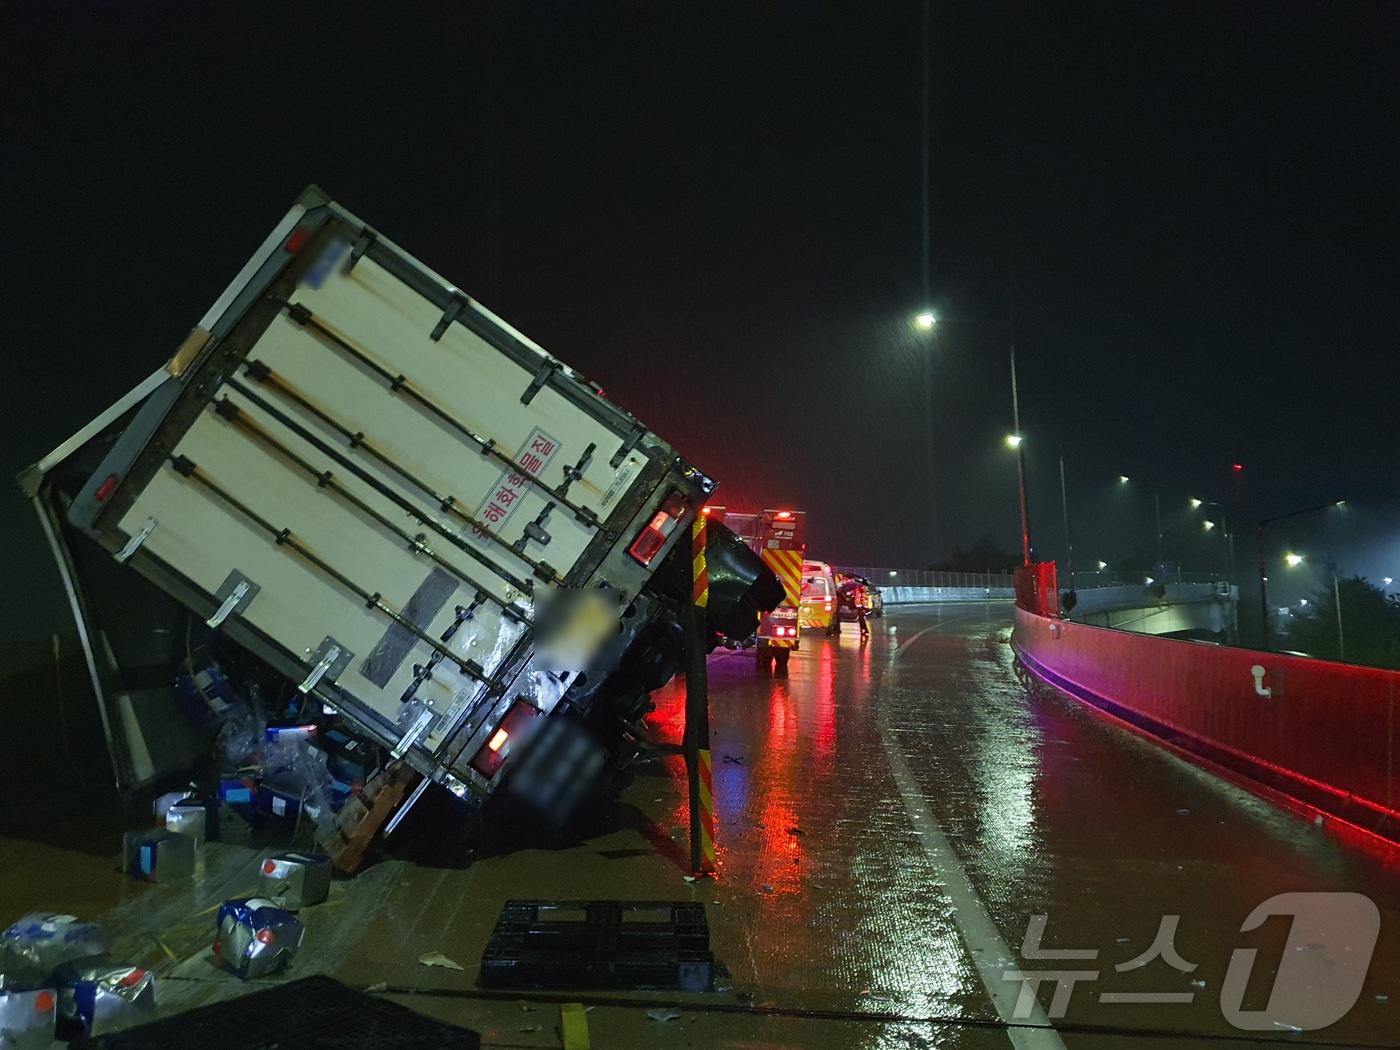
600,944
315,1013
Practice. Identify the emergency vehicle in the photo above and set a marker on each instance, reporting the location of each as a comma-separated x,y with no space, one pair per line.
778,537
819,598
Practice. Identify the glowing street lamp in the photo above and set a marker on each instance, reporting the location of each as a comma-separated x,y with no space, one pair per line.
925,321
1208,525
1102,565
1293,560
1122,479
1013,440
1195,504
1387,580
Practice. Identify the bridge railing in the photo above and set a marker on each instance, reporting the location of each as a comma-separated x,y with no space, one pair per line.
920,586
1084,579
887,577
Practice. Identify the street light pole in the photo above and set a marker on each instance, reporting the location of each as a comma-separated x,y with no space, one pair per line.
1263,566
1064,513
1157,514
1020,462
1337,601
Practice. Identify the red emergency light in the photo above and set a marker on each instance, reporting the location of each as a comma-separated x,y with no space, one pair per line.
784,515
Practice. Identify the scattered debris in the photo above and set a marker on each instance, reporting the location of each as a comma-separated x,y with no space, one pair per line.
796,831
689,878
670,1013
378,986
1183,813
525,1007
1382,998
1286,1026
438,959
158,856
255,937
734,760
297,880
767,887
96,997
1198,984
531,1027
40,942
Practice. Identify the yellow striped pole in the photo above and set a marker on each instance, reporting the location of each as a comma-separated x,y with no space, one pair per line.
697,709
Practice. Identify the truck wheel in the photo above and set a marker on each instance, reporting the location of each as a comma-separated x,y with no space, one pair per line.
781,657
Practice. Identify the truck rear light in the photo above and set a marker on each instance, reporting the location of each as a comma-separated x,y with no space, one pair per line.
495,751
296,240
827,602
649,542
784,515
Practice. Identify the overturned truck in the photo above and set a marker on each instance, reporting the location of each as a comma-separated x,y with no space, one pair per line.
357,503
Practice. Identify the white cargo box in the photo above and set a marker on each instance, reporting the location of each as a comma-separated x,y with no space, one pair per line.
372,482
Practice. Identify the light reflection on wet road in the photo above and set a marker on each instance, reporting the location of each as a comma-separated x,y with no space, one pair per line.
830,902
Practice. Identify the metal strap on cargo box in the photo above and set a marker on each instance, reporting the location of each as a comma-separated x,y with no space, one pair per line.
331,659
398,384
455,306
357,440
235,594
287,540
325,480
133,544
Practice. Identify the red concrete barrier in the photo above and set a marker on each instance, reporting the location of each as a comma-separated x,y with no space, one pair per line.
1323,734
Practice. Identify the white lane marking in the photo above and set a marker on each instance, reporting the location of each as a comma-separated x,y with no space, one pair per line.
986,949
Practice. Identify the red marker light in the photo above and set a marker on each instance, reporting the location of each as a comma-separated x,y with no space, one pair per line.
269,867
266,936
105,490
784,515
705,511
1238,468
43,1002
295,241
652,538
498,741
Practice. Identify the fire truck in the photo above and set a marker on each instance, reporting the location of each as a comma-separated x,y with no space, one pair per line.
779,538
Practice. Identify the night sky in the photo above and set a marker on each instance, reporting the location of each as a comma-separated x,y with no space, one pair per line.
714,210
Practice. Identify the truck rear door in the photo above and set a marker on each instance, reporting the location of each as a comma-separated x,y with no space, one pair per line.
372,482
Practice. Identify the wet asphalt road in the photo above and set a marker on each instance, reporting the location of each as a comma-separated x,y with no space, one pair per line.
1039,806
892,816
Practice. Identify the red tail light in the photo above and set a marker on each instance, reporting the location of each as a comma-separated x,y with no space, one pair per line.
784,515
494,752
266,936
296,240
649,542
